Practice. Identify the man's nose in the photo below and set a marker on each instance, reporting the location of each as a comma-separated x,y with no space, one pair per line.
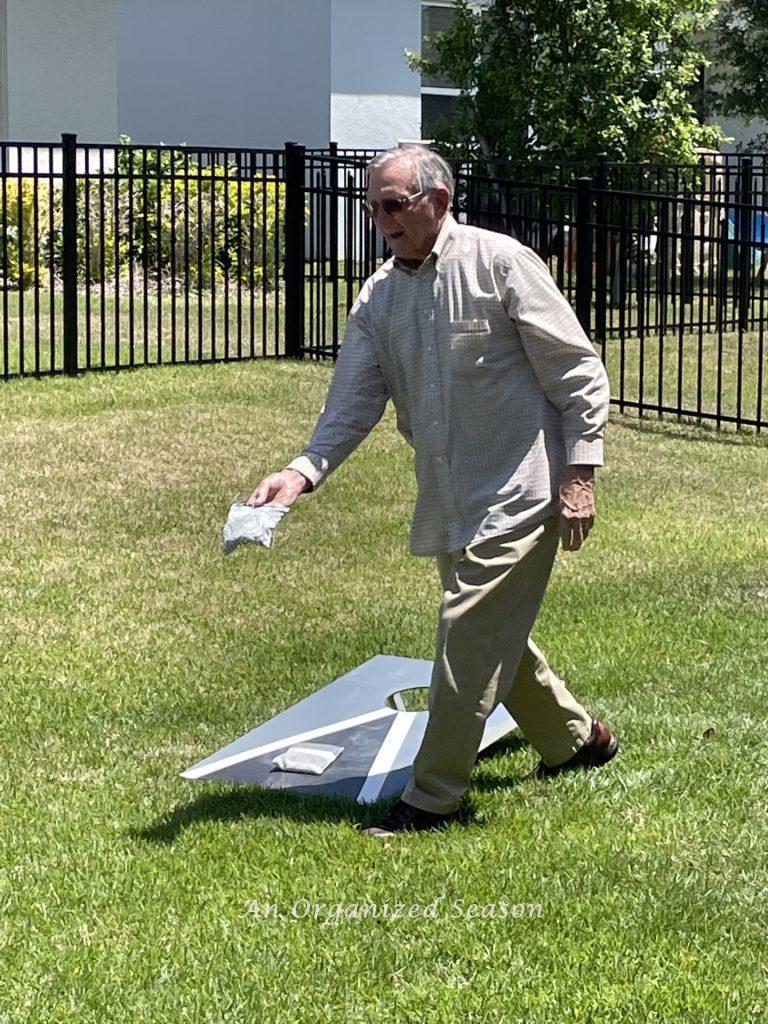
385,221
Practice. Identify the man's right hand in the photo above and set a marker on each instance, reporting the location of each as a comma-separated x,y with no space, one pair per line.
283,488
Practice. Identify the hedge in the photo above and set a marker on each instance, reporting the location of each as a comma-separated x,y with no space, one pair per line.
186,240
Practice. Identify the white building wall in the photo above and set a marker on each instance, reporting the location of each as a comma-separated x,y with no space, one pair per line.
375,97
3,70
251,73
739,131
58,70
210,72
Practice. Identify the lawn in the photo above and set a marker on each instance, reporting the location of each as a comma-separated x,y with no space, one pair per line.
717,374
187,326
131,647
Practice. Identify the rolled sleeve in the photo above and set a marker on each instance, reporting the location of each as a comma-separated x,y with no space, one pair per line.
566,365
355,403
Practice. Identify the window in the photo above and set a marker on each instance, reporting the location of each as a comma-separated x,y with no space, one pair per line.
438,93
434,18
435,107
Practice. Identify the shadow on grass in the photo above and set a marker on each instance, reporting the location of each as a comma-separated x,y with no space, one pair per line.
508,744
485,779
235,803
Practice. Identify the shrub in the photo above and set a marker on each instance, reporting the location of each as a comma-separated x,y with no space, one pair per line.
171,216
17,224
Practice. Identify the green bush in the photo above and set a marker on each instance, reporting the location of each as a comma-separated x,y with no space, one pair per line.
170,217
196,245
17,222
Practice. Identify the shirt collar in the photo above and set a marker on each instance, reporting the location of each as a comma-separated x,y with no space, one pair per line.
442,244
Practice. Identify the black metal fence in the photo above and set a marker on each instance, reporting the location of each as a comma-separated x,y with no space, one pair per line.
667,273
670,286
120,256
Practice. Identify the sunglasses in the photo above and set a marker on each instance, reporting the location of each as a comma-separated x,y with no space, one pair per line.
390,206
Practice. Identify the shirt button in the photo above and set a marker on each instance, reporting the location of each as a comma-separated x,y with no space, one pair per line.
435,423
431,387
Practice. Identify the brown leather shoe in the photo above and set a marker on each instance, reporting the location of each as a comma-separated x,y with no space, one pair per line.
597,750
406,818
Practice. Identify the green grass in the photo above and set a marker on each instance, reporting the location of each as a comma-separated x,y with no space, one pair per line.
131,648
202,331
188,327
725,375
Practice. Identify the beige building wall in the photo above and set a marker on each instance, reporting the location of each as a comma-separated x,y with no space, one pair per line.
59,69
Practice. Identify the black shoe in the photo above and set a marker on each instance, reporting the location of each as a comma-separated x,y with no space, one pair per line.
406,818
597,750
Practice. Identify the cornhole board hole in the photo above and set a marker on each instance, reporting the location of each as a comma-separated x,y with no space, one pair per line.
365,712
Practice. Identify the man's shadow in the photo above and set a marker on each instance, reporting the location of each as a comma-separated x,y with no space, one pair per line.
228,803
484,778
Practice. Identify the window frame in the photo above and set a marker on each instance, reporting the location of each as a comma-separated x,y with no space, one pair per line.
444,90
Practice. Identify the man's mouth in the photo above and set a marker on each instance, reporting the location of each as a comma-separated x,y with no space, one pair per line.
397,234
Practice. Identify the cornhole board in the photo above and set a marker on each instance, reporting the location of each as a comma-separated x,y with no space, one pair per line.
363,712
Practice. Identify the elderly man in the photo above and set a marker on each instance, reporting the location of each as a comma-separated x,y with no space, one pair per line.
504,401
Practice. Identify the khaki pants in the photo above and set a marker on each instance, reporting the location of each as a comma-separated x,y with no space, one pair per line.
492,591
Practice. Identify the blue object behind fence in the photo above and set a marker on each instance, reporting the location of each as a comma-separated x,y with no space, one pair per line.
759,236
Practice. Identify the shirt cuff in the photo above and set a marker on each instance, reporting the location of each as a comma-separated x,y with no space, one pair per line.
579,452
314,473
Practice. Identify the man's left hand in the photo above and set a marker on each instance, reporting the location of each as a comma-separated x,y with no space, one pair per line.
577,506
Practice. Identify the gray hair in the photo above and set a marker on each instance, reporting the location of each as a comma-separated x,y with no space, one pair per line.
430,168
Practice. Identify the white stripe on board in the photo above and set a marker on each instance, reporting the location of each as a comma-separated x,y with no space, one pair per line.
200,771
385,758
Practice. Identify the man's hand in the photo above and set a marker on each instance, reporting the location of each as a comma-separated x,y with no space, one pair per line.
283,487
577,506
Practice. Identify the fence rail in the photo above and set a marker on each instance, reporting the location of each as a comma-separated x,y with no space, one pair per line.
121,256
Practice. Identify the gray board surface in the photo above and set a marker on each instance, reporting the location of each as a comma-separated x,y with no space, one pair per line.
361,712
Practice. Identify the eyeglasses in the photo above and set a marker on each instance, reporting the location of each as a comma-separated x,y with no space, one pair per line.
390,206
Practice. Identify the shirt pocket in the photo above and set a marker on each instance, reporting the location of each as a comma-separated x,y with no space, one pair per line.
469,343
479,349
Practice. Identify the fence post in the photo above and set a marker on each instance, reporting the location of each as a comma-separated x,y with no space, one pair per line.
584,253
744,239
601,251
69,250
294,249
333,275
687,251
333,205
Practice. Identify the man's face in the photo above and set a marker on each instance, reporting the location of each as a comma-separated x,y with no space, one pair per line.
412,231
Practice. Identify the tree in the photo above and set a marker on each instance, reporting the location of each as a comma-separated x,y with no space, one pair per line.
575,78
740,47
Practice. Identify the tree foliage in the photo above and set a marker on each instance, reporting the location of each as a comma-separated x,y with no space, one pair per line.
575,78
741,50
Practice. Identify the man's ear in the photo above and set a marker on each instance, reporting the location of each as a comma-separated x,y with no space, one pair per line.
442,199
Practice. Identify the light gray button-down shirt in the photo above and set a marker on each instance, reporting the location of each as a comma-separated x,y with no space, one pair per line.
494,383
